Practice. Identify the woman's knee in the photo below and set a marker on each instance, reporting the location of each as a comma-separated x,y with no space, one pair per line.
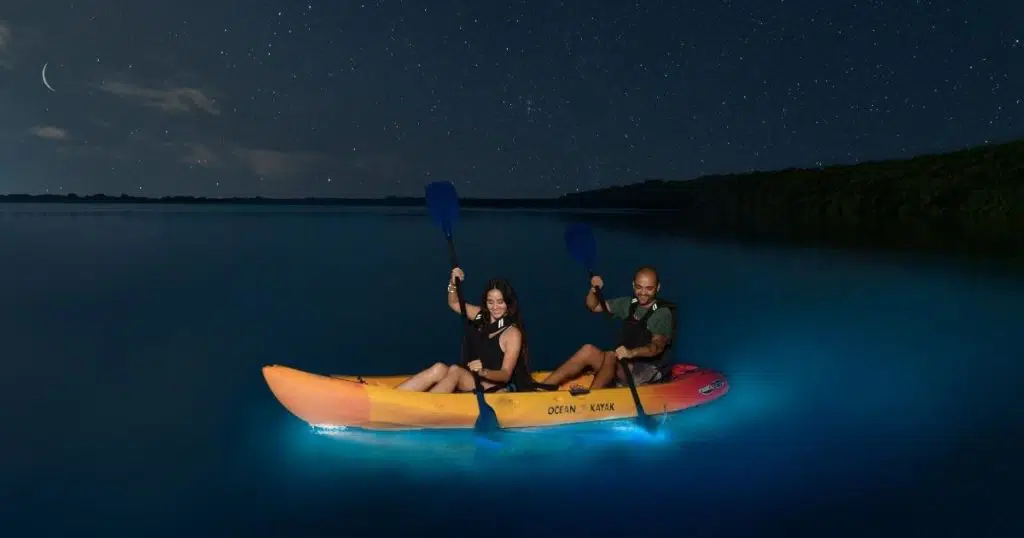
438,370
456,371
465,379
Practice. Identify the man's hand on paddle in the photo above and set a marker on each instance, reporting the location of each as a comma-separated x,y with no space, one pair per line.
623,353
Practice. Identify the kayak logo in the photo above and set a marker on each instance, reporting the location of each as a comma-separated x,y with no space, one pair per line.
561,409
711,387
598,407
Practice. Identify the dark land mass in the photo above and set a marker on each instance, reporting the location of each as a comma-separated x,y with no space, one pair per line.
968,201
389,201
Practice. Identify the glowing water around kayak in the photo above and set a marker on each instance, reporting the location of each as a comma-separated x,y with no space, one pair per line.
133,342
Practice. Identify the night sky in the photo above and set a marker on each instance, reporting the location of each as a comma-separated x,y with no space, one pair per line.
531,98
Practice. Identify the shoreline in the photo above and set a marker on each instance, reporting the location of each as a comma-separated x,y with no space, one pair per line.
923,238
969,201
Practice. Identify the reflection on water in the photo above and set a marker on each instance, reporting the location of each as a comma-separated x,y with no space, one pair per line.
464,454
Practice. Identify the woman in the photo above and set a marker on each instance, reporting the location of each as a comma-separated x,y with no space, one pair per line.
496,345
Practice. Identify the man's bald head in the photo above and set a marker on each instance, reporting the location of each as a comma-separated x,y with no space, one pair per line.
648,271
645,285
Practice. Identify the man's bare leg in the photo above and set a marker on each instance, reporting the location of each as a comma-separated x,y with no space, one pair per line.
607,372
588,356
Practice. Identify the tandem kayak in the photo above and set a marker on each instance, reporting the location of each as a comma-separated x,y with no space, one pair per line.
373,403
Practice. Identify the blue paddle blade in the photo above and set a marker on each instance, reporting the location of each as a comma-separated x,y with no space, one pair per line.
579,241
443,204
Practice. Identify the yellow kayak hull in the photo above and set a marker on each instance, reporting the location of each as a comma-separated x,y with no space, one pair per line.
373,403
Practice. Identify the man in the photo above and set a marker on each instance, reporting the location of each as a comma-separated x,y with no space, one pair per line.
646,330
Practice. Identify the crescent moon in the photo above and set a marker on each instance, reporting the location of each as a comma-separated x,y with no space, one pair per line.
45,82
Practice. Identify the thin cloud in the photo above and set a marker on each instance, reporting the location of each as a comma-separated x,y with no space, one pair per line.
271,163
180,99
382,164
201,155
5,44
265,163
49,132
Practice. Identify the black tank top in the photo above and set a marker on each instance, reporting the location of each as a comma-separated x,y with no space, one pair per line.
484,344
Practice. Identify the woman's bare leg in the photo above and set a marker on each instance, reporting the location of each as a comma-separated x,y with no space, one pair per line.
425,379
466,381
450,380
460,379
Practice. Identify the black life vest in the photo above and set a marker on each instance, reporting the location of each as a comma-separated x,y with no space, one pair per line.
635,333
487,348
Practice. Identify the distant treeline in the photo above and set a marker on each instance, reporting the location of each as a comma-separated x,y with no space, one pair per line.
983,184
390,201
971,197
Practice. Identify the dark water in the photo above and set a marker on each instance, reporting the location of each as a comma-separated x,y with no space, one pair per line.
871,395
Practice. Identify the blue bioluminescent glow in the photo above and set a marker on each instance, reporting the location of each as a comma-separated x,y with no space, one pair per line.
866,397
566,449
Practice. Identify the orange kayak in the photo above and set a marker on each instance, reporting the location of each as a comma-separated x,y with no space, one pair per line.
373,403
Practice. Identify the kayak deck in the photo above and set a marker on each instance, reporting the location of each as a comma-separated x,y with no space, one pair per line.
372,402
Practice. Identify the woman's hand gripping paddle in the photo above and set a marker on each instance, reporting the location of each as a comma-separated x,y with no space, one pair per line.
443,206
580,242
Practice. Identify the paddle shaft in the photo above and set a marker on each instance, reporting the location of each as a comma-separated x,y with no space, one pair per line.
454,258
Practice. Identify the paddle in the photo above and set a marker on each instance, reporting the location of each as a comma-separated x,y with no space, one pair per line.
443,206
580,242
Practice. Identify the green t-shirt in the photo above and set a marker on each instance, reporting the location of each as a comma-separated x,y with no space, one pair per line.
660,321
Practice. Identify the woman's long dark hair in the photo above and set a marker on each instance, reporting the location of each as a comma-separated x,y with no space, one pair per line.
512,313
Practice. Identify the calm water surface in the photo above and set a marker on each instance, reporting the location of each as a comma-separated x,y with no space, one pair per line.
871,394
